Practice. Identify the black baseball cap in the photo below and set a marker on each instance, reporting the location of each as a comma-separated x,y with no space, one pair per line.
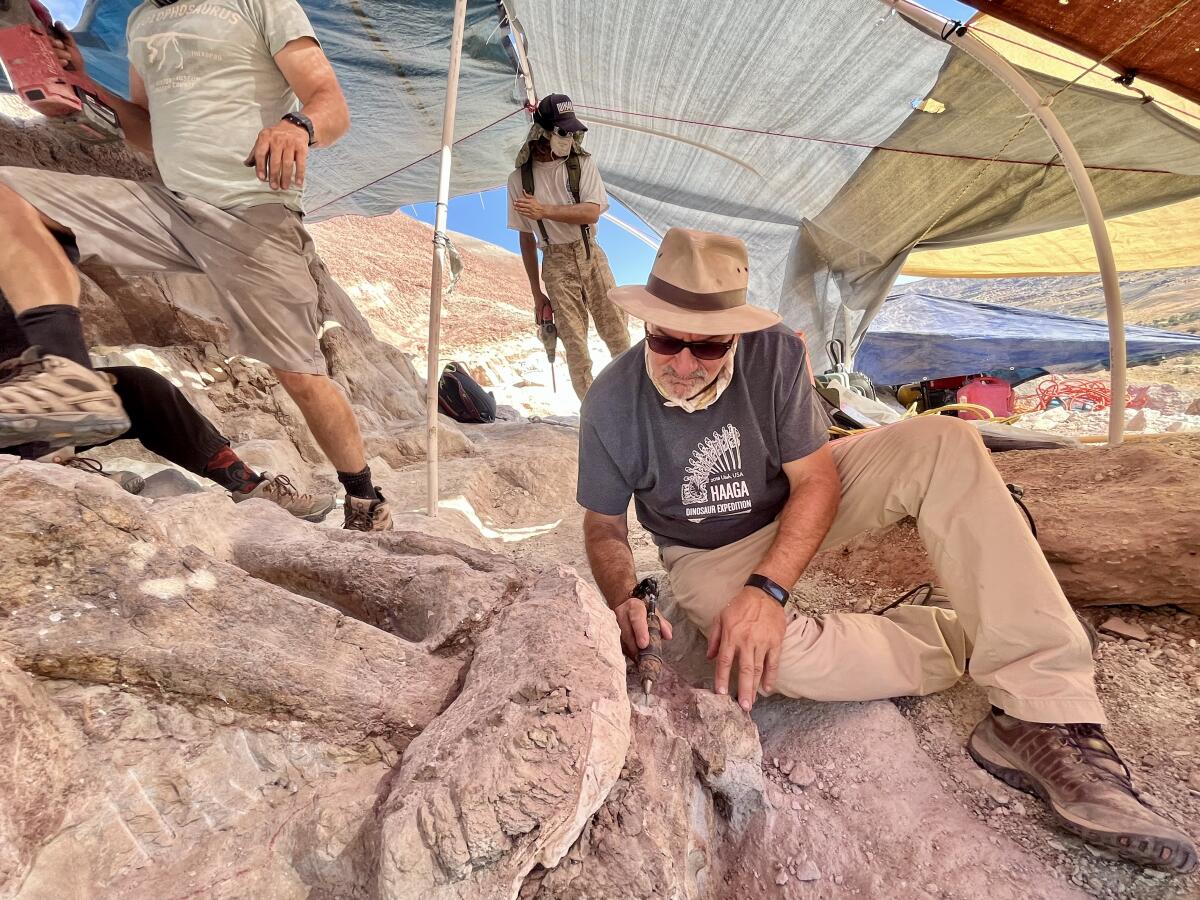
557,111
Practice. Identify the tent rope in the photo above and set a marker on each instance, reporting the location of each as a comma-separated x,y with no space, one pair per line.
838,142
977,30
969,186
1104,59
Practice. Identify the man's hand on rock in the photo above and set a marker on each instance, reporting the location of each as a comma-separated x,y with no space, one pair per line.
280,151
750,629
635,634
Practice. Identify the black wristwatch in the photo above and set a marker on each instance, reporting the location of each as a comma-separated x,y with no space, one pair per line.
304,122
775,591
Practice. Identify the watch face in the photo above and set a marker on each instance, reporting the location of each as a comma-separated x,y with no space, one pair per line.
772,589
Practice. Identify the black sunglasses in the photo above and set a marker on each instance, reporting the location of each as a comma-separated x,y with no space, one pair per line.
669,346
562,132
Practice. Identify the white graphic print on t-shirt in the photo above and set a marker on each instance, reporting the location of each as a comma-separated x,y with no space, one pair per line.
714,484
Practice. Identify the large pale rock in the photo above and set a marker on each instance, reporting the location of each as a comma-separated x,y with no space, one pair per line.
691,784
880,818
176,620
386,582
554,719
37,747
190,714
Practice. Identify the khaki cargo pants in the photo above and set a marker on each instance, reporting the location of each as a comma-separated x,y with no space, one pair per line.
578,286
1026,646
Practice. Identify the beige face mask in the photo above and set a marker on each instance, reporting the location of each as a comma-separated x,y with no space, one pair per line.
707,395
561,146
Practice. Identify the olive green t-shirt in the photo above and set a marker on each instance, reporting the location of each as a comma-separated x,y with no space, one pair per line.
213,85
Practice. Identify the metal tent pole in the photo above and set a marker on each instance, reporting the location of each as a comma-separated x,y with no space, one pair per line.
439,241
1093,214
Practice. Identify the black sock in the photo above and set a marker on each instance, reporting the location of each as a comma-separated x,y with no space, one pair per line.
57,329
227,469
358,484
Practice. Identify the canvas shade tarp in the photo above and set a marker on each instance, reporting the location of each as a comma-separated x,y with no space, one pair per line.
817,159
792,128
918,335
1165,237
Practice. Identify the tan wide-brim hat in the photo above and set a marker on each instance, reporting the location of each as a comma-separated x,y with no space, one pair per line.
698,285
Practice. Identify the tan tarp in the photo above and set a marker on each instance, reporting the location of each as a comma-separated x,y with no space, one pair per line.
1163,238
1160,52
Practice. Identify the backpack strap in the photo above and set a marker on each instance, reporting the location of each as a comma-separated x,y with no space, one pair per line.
573,179
527,184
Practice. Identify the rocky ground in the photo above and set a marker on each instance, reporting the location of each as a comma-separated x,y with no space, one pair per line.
893,799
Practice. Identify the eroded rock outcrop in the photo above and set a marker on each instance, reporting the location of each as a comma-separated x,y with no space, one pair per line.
180,725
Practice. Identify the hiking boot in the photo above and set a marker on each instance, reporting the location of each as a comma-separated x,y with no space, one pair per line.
1087,787
129,481
280,491
51,399
368,515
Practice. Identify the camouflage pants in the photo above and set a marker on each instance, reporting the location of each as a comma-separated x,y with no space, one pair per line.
578,286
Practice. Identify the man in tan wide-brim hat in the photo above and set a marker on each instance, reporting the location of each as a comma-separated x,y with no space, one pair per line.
715,430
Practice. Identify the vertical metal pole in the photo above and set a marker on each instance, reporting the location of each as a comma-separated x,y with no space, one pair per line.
433,369
1092,213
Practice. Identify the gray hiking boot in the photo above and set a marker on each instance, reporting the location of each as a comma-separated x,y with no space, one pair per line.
130,481
51,399
280,491
368,515
1087,787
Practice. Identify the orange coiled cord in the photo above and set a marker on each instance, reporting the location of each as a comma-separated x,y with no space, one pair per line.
1075,395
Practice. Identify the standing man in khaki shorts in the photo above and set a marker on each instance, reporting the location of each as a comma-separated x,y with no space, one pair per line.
574,267
228,96
714,429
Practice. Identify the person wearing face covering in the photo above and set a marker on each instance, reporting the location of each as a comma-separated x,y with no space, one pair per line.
555,199
713,427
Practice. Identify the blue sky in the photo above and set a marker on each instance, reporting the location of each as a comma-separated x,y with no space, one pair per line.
65,10
485,215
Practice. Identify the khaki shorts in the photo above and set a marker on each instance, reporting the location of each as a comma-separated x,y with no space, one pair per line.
257,257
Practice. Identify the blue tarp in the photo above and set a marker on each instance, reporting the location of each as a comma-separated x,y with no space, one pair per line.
919,336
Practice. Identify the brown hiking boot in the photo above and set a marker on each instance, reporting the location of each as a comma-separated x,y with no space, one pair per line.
280,491
55,400
368,515
129,481
1079,775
